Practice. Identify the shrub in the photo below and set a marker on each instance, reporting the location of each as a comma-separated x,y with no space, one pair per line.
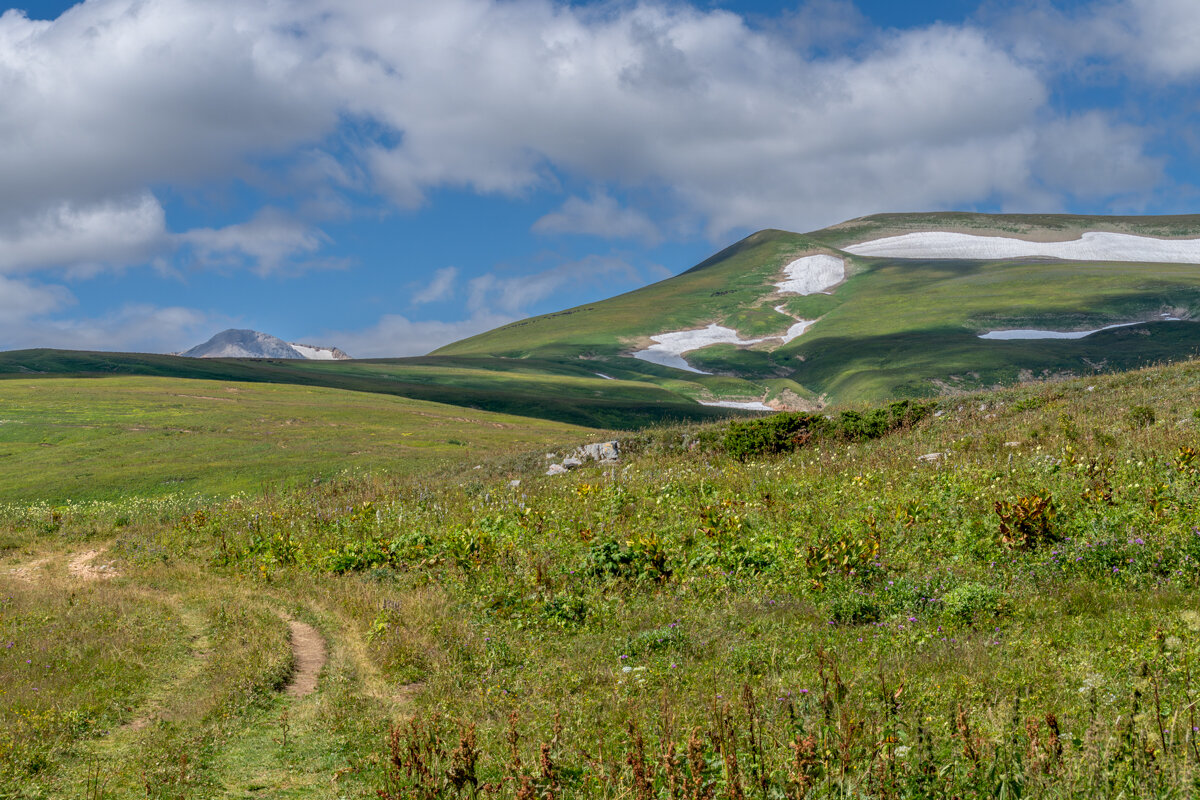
969,601
778,433
1141,416
783,433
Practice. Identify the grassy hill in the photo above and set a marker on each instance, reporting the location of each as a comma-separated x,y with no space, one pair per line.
995,600
571,393
896,326
71,439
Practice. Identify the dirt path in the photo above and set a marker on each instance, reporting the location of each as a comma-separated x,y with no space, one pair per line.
81,567
25,571
308,652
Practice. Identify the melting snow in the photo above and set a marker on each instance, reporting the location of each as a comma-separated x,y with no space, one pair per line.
316,353
800,327
1092,246
812,274
753,406
602,375
1031,333
807,275
669,348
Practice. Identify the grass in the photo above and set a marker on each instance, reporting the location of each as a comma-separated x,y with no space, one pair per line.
79,438
997,599
568,392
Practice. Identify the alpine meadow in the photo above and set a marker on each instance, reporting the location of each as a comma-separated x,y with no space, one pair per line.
599,400
231,577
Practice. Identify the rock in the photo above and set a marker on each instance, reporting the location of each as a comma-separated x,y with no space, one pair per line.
570,462
551,456
930,457
514,483
1012,444
601,451
556,469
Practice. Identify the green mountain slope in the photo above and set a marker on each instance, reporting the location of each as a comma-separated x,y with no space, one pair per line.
895,326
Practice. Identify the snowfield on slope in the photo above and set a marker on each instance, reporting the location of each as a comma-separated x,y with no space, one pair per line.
806,275
812,275
669,347
1092,246
1032,333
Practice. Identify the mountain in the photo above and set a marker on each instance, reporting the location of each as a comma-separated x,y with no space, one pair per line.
235,343
890,305
876,308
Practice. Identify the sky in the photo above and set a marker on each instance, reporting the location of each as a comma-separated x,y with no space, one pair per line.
388,176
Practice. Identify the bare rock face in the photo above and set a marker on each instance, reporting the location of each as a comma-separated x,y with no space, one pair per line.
235,343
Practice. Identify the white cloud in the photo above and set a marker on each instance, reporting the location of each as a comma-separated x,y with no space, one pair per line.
130,328
600,216
270,243
740,127
440,288
511,295
395,335
1151,40
84,237
20,300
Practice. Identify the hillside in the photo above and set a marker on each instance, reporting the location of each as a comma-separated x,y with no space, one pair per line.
991,597
70,439
907,324
568,392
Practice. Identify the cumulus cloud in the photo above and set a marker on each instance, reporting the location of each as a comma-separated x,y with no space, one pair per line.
271,242
602,216
1150,40
739,126
440,288
83,237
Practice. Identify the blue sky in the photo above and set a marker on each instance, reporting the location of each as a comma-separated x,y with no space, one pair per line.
388,177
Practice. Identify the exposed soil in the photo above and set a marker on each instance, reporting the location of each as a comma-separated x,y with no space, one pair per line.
308,653
81,567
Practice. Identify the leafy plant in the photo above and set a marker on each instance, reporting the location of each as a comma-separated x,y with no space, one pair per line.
1027,522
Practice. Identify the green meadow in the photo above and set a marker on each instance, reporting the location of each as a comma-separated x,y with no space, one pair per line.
67,439
991,595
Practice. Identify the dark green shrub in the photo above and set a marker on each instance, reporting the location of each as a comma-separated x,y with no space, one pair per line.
778,433
1141,416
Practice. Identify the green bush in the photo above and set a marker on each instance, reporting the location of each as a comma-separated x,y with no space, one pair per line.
969,601
778,433
785,432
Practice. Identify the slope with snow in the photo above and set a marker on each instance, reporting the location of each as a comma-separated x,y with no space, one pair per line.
1091,246
240,343
318,353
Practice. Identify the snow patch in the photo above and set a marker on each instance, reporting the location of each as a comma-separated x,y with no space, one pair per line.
752,406
1091,246
316,353
800,327
1032,333
602,375
669,347
812,274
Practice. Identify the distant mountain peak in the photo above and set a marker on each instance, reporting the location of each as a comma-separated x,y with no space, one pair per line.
242,343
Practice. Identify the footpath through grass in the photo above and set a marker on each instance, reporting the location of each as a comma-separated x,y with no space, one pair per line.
996,598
